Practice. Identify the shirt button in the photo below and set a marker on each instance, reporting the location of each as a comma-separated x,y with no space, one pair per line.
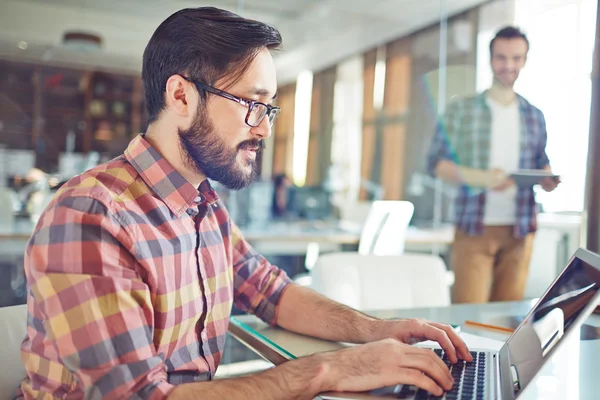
199,199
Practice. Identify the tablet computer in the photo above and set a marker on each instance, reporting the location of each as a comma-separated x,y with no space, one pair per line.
530,177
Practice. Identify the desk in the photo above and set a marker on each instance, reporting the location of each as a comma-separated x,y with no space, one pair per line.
13,239
293,237
570,374
302,232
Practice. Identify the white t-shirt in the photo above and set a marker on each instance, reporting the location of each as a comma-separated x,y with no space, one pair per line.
501,207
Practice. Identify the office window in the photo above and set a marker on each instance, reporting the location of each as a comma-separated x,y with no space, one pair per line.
556,79
344,175
304,86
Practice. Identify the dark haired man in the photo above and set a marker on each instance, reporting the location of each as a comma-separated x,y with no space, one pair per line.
135,265
477,144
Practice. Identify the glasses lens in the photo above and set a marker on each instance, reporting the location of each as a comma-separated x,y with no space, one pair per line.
273,116
257,113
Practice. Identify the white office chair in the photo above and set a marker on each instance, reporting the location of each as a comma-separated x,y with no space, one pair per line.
382,282
13,325
384,233
354,214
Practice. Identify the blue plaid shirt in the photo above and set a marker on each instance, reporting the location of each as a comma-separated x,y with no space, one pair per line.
463,136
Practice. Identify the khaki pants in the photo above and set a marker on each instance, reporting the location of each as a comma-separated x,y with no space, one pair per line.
491,267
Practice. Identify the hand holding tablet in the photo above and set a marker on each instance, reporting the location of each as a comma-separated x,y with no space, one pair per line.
531,177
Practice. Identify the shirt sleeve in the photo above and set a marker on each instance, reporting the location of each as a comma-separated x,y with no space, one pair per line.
258,285
440,148
541,157
91,309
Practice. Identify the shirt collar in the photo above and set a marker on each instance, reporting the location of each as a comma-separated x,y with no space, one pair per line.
177,193
481,99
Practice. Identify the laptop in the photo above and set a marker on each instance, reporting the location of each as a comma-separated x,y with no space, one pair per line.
506,373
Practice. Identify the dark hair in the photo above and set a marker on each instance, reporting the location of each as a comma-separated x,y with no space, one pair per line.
207,44
508,32
279,180
278,184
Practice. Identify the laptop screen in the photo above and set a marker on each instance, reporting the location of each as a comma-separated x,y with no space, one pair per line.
552,318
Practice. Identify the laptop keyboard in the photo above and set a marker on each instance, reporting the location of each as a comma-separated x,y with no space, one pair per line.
469,380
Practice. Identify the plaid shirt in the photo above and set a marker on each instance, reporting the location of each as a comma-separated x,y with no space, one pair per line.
464,135
132,273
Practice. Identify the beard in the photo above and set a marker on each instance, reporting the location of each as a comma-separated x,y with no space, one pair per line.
508,82
208,154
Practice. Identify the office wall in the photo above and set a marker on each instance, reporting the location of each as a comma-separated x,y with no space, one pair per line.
321,127
458,73
283,143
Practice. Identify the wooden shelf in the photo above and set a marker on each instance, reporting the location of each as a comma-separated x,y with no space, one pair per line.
63,92
17,86
125,97
52,100
111,118
27,108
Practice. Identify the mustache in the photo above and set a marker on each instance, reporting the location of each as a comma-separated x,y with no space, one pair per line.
258,144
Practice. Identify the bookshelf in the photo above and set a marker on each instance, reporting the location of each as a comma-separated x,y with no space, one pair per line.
49,110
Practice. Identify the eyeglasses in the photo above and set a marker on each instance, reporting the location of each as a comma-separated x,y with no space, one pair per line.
257,111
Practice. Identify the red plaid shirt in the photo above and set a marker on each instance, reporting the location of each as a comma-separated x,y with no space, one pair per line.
132,273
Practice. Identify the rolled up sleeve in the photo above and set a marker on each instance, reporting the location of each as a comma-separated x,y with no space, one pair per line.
440,148
541,159
258,285
92,318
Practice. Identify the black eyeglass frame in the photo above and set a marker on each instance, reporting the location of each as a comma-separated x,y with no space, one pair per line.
272,111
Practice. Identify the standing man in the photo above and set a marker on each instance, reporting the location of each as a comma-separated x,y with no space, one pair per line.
134,266
477,144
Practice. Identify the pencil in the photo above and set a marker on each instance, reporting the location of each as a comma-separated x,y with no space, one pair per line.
491,327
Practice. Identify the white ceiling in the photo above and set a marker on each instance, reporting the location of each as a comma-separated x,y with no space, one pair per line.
316,33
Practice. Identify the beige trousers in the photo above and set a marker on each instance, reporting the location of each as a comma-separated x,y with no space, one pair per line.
490,267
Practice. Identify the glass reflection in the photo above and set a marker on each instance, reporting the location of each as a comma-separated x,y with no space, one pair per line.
551,320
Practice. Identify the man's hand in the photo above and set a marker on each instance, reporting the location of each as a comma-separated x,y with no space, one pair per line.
386,359
499,181
549,184
415,330
494,179
389,359
385,363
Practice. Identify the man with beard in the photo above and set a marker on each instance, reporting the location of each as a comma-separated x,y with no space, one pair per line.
477,144
135,265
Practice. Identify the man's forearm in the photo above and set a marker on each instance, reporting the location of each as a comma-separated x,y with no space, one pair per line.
299,379
451,172
447,171
304,311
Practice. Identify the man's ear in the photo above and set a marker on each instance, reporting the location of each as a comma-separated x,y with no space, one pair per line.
178,94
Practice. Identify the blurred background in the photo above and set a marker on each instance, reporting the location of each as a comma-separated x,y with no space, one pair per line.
361,86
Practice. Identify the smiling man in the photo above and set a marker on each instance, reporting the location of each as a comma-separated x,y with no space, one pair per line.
479,142
134,266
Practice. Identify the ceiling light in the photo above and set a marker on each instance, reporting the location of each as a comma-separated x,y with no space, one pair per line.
82,41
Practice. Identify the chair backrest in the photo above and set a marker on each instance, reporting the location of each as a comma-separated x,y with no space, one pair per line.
13,326
355,213
384,232
382,282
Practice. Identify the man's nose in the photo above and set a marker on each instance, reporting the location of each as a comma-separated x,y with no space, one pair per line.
263,130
